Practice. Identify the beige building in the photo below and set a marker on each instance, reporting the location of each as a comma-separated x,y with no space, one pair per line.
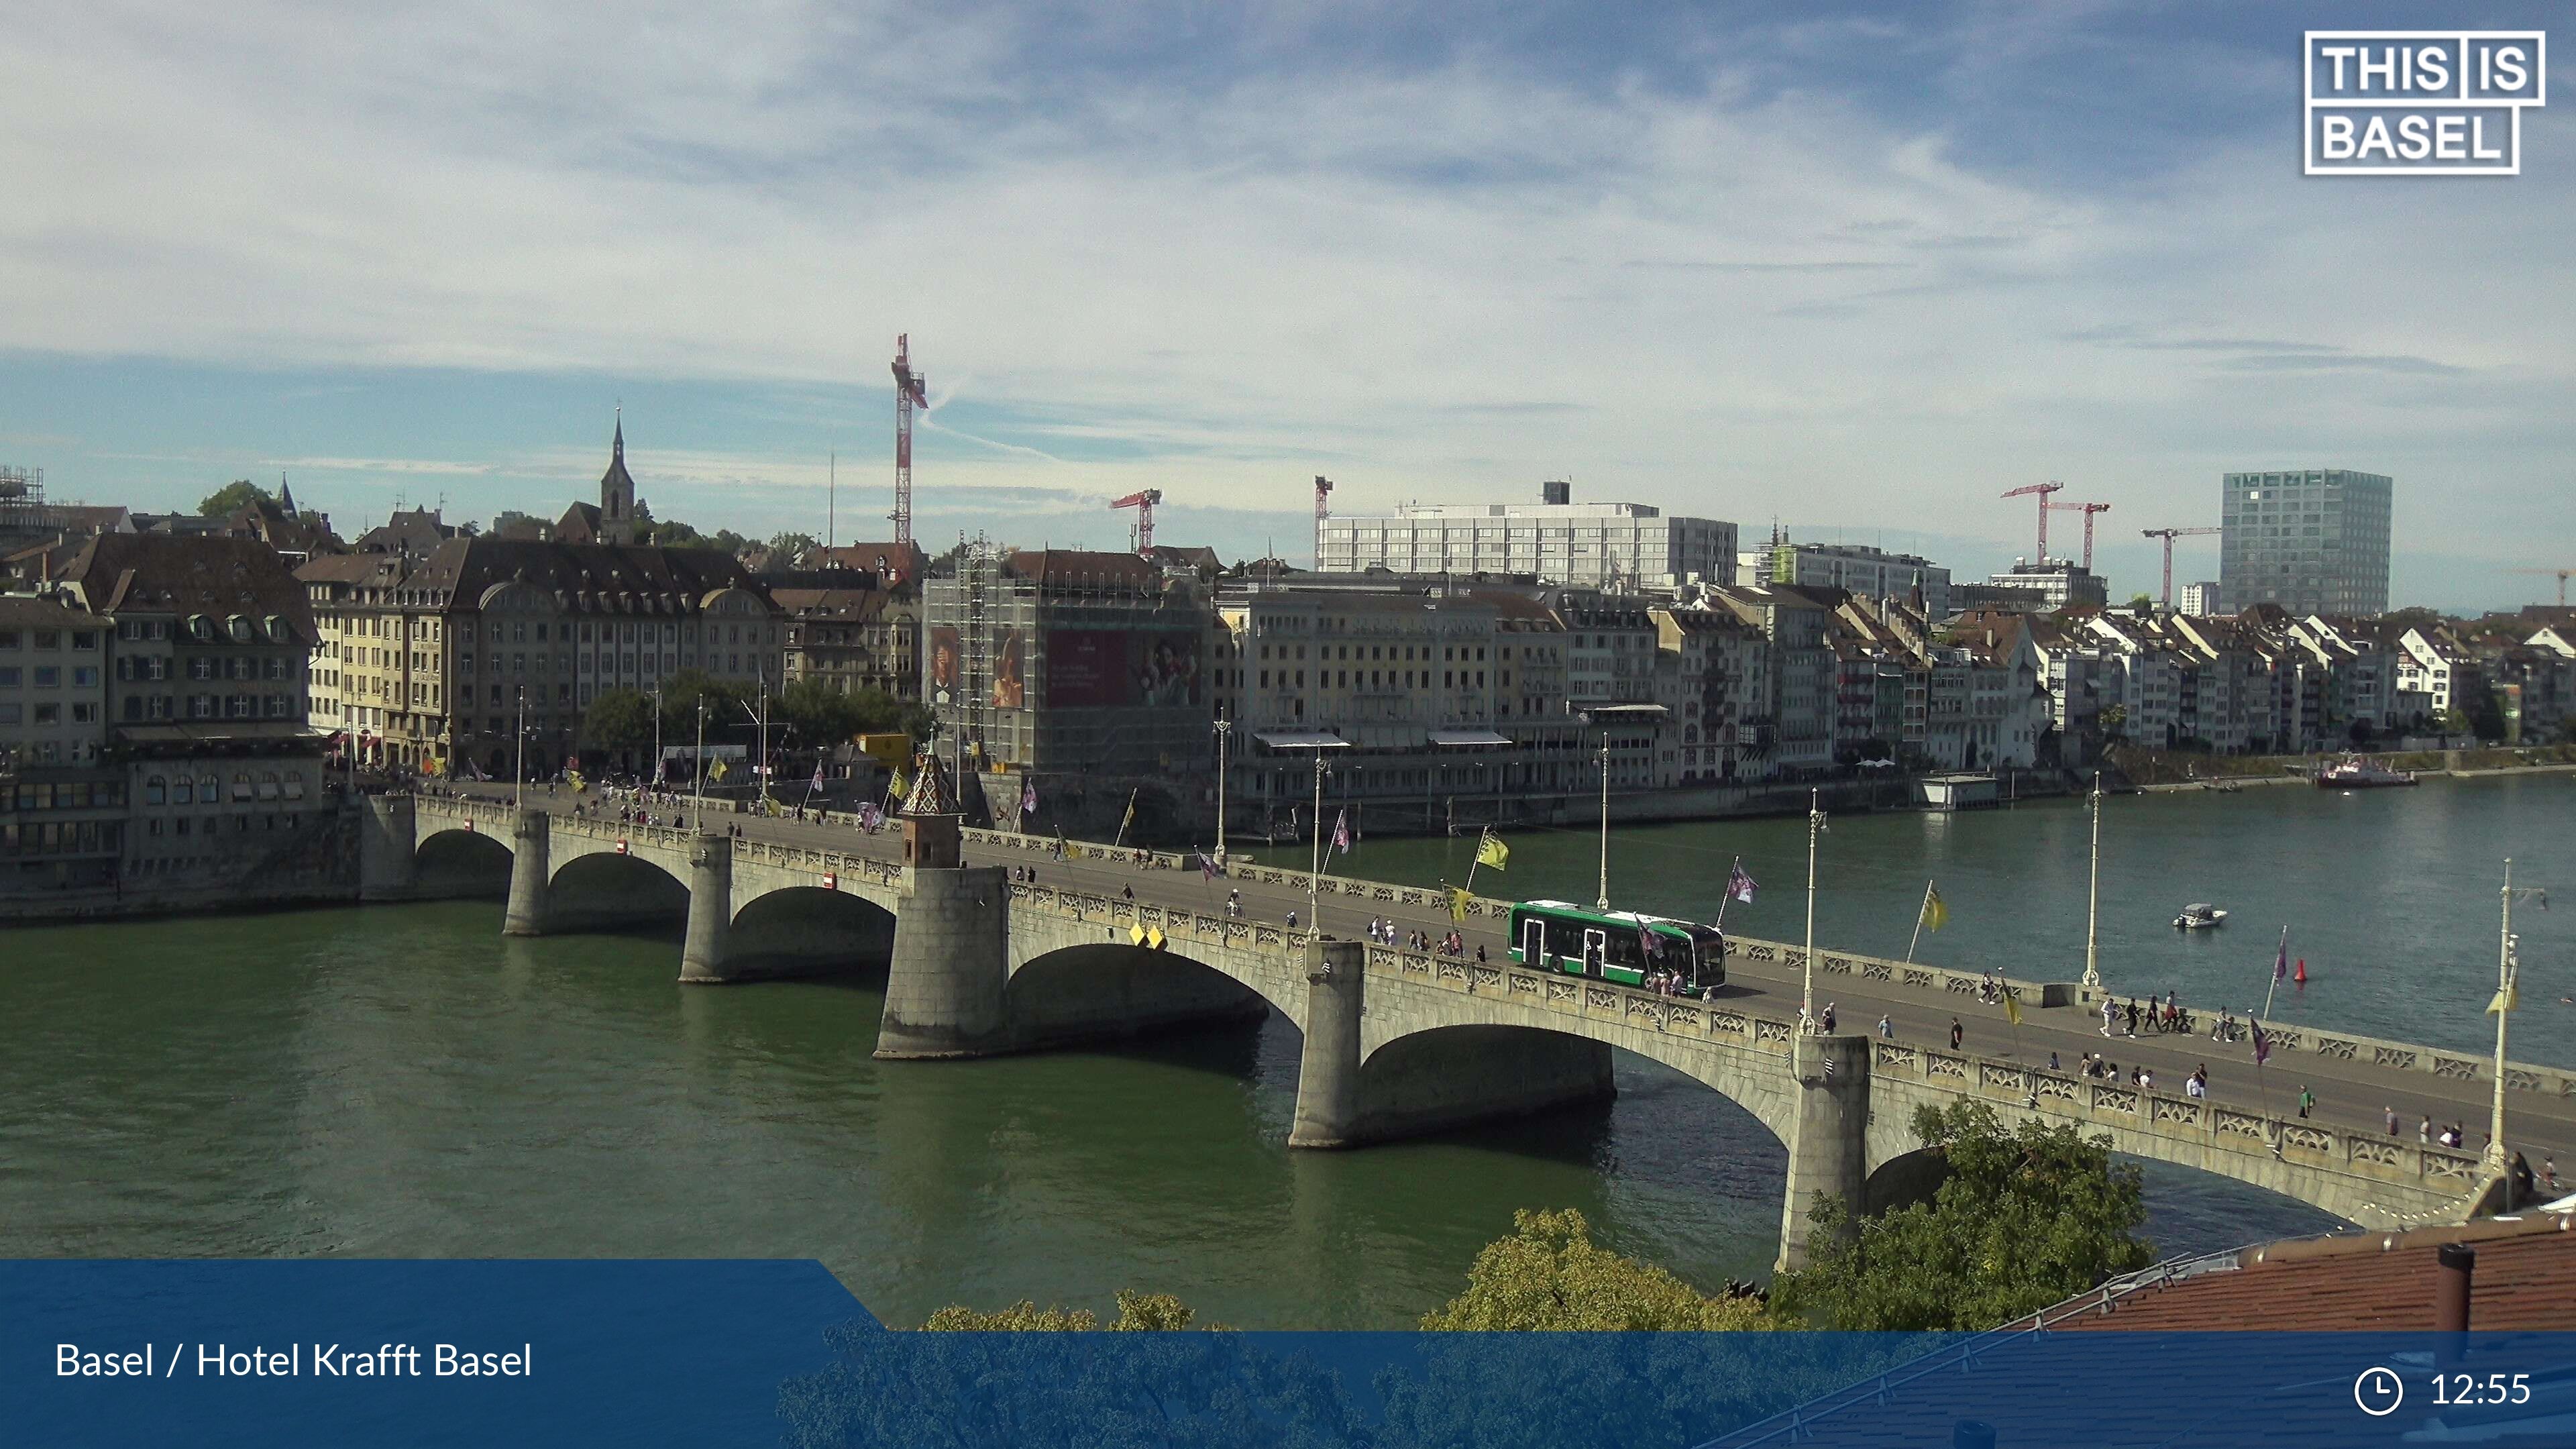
432,662
853,639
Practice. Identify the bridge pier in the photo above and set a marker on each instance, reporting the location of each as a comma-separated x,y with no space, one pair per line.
945,984
388,839
1828,1137
702,957
1328,1072
529,834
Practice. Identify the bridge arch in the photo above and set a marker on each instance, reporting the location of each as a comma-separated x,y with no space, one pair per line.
606,891
809,928
453,863
1113,989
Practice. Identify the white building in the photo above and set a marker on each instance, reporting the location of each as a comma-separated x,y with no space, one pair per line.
1583,545
2313,541
2058,582
2200,600
1854,568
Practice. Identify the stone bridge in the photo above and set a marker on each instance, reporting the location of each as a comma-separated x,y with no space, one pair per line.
1395,1043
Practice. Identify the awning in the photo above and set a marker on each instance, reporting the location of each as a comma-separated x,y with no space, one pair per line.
1461,738
1301,740
1625,712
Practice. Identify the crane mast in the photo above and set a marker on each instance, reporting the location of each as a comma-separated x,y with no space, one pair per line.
909,392
2043,490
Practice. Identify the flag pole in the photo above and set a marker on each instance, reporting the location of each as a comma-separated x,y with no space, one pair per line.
2280,965
1919,909
1123,819
1475,859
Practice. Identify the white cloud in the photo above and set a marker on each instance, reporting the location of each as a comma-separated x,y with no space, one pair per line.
1438,283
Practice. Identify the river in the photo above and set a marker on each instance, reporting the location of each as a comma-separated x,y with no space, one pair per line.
402,1081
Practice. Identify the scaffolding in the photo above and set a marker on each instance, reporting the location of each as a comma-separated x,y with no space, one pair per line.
22,499
975,596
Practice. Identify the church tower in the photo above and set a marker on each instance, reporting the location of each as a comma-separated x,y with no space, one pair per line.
617,491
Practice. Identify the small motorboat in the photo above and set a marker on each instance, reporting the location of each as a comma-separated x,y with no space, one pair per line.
2358,772
2199,916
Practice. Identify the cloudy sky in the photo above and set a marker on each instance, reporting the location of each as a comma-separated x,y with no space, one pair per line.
1857,268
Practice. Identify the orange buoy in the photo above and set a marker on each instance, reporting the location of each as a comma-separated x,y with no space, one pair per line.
2302,976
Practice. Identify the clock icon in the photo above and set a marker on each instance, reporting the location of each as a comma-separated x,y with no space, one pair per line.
2378,1391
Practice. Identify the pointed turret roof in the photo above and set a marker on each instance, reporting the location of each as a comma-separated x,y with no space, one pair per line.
617,473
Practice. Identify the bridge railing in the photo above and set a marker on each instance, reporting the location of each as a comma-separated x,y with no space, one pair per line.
1949,982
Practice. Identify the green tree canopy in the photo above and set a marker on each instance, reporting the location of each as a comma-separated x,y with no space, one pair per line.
618,719
791,544
1549,1276
1137,1313
240,493
823,716
2029,1217
509,518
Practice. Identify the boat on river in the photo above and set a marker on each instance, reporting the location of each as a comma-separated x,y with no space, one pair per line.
2199,916
2360,772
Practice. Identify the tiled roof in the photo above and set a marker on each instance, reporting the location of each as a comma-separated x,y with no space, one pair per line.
2525,1278
159,573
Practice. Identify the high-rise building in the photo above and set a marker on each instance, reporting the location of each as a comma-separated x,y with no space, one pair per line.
1585,545
2313,542
2200,600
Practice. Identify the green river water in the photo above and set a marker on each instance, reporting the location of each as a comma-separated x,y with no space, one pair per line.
401,1081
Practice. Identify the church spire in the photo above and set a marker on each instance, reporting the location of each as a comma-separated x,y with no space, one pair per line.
617,445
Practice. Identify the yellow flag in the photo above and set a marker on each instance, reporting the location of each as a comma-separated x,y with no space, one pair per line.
1136,935
2012,1008
1457,904
2509,999
1130,817
1154,938
1935,914
1491,851
896,787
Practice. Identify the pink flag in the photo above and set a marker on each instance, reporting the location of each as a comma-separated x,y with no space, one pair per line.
1739,885
1342,831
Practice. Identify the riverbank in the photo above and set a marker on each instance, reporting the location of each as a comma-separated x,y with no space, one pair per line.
2191,770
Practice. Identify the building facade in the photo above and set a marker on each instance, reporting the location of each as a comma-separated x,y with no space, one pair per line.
1854,568
437,663
853,639
2313,541
1585,545
2200,600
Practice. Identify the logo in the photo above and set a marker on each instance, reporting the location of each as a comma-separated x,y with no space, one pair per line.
2420,102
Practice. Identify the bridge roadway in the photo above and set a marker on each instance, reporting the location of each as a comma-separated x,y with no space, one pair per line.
2355,1080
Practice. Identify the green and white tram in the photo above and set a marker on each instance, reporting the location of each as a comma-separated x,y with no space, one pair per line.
1620,946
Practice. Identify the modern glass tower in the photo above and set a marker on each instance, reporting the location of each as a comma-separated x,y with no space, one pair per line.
2313,541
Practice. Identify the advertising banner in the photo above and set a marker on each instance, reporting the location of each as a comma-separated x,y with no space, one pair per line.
1121,668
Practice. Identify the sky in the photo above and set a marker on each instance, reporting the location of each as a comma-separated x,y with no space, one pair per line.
1856,269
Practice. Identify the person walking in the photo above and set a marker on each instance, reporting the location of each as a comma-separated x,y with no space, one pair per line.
2424,1132
2052,1061
1886,1029
2392,1120
1829,1018
2307,1100
1958,1033
2133,1017
2108,1008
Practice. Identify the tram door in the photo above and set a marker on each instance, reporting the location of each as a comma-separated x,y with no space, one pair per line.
1596,951
1534,943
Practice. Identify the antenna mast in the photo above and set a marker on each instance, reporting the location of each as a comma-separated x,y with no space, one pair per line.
909,392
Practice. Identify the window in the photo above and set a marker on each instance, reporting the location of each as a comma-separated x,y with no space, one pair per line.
49,676
241,785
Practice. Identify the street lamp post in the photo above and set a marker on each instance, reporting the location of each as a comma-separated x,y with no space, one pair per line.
1224,728
1601,895
2506,969
698,772
657,733
519,762
1807,958
1315,876
2093,901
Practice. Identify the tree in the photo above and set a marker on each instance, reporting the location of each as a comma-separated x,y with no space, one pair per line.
791,545
510,518
1548,1276
1137,1313
2028,1217
728,540
233,496
2142,604
2451,721
2115,719
618,720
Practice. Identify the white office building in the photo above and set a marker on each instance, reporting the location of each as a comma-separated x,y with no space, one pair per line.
2200,600
1854,568
1583,545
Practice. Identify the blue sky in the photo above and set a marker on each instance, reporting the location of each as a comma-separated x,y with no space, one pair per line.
1857,268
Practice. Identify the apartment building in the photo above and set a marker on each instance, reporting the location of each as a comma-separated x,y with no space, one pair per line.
1625,546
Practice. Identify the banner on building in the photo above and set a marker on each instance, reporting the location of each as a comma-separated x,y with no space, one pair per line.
1117,668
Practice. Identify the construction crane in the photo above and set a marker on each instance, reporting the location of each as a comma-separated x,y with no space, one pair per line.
2169,535
1323,488
2562,580
1143,503
2043,490
2088,509
910,391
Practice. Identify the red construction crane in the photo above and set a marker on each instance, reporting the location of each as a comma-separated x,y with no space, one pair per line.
2562,580
2089,509
1323,487
910,391
2043,490
2169,535
1143,503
